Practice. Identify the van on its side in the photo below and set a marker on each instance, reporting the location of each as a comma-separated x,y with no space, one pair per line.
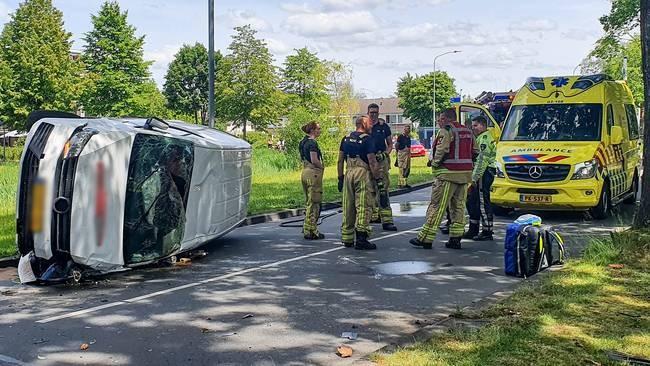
569,143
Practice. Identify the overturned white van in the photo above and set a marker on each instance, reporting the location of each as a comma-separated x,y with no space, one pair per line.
103,195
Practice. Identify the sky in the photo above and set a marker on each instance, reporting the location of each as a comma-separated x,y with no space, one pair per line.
502,42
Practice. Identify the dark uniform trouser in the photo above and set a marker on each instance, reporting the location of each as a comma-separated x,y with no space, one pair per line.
378,212
404,164
445,194
358,193
474,201
312,185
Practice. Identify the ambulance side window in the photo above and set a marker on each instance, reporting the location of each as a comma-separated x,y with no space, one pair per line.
610,119
632,122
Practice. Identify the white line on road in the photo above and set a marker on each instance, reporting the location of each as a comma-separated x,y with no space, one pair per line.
209,280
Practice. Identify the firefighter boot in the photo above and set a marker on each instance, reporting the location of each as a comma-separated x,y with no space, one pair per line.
485,235
472,232
453,243
389,226
313,236
363,243
416,242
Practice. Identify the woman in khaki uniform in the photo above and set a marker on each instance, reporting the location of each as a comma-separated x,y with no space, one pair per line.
403,161
312,179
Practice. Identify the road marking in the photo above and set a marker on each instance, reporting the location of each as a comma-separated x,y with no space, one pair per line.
209,280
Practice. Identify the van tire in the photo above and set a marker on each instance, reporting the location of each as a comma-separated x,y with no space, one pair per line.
635,188
604,207
502,211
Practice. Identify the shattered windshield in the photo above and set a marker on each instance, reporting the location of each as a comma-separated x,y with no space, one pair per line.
156,196
553,122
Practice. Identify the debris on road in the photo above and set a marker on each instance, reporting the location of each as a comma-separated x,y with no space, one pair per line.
344,351
84,346
247,316
183,262
92,341
349,335
41,341
206,330
41,357
616,266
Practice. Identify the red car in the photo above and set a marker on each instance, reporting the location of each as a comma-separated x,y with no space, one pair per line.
417,149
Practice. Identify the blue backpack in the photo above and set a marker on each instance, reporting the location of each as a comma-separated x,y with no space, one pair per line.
531,248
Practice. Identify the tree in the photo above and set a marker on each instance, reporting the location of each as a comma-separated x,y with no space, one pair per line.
642,217
113,57
341,91
305,81
416,96
148,101
186,82
249,82
36,70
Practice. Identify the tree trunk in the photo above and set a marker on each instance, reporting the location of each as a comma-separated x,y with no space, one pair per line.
244,129
196,117
642,217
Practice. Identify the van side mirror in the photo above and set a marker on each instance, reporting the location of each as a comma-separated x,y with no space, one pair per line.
616,135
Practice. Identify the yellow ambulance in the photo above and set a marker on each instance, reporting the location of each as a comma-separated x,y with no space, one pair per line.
569,143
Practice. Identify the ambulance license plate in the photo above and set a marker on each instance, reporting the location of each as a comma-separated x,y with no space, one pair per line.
535,198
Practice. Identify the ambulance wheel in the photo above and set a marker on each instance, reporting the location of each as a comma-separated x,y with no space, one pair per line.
604,207
502,211
635,188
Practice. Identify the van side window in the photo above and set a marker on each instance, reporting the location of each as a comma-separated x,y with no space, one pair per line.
632,122
610,118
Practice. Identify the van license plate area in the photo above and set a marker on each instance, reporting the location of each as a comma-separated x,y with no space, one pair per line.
535,198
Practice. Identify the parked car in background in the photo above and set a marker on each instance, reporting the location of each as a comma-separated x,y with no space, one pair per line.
417,149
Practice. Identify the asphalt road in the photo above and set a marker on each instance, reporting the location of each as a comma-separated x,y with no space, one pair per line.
264,296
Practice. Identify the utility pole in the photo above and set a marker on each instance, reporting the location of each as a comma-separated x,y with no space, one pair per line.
642,217
211,63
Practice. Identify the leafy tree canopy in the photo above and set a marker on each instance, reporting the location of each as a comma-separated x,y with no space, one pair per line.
416,96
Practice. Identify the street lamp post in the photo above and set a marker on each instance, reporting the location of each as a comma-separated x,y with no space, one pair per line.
211,63
434,89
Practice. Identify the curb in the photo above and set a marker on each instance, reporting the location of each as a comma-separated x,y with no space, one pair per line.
9,261
281,215
261,219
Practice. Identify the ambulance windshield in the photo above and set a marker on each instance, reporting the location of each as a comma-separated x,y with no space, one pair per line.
554,122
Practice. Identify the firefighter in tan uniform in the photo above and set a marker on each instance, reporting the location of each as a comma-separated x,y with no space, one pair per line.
403,161
383,143
452,163
312,179
357,152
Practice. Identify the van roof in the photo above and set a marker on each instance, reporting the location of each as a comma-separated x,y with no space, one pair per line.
572,89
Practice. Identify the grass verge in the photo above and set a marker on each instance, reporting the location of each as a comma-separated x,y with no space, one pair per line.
570,317
274,188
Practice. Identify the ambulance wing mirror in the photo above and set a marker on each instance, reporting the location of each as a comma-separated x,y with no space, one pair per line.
616,135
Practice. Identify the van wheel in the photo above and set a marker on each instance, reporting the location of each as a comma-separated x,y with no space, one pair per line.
604,207
502,211
635,188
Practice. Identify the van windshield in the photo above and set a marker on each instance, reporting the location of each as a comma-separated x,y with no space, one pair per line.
156,194
554,122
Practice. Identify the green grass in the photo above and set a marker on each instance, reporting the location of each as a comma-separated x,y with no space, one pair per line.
571,317
8,186
275,187
275,190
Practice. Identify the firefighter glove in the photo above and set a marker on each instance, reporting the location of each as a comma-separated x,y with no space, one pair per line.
341,183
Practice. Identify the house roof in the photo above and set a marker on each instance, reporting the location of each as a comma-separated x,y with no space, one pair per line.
386,105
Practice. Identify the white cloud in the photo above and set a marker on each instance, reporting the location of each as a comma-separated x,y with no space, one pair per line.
162,57
336,5
454,35
297,8
581,34
331,24
240,18
277,47
533,25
